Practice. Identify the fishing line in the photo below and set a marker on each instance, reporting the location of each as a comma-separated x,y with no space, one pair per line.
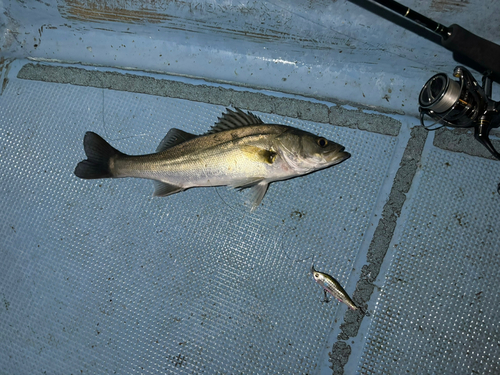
105,129
103,119
217,191
286,254
216,187
315,23
131,136
312,256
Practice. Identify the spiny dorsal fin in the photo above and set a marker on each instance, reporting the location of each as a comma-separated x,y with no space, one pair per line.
173,138
233,120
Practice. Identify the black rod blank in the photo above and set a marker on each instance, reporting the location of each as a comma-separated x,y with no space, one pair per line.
415,17
455,38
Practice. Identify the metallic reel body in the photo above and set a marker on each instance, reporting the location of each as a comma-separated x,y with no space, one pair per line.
461,104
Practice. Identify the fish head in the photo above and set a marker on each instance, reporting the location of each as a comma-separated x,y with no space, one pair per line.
306,152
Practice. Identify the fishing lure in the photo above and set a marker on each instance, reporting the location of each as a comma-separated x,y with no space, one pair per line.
332,286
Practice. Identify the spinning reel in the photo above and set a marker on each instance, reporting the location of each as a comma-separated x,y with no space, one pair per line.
461,104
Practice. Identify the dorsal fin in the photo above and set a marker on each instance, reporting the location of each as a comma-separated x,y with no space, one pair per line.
233,120
173,138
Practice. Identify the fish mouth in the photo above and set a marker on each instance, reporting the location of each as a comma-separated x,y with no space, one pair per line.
339,155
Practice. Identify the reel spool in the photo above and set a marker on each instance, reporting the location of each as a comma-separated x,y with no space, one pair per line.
460,104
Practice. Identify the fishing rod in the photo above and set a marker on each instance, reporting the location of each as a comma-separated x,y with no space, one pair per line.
484,53
463,103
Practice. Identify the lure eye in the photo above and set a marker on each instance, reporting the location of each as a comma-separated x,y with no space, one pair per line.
322,142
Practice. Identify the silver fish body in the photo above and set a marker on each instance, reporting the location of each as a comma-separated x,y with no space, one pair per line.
332,286
239,151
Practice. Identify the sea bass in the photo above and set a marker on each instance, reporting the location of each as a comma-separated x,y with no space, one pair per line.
239,151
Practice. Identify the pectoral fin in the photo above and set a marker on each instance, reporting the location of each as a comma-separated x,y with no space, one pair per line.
256,193
259,154
162,189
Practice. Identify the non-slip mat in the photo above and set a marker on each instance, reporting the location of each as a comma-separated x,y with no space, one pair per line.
100,277
438,306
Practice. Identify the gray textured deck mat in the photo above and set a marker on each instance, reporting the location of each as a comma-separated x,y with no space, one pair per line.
438,309
100,277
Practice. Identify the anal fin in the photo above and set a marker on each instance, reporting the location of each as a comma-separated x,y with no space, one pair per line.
162,189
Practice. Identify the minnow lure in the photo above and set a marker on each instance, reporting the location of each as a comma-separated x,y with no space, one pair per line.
332,286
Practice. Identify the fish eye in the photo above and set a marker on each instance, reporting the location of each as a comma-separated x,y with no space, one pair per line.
322,142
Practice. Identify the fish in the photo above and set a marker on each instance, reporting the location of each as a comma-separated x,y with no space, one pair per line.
332,286
240,151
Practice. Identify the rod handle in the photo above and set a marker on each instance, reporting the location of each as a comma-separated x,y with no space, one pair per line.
475,48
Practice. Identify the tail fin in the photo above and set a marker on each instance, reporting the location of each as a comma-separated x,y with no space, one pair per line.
99,153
